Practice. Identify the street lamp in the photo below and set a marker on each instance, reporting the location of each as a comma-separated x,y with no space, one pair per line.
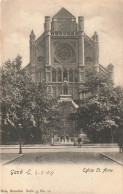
20,147
76,125
76,130
52,139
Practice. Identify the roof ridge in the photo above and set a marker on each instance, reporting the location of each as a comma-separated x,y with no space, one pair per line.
102,67
40,37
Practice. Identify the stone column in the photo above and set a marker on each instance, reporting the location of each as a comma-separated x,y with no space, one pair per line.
73,76
68,75
56,75
47,27
51,75
62,75
81,40
96,51
81,46
47,40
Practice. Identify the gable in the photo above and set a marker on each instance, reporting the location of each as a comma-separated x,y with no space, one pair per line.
63,13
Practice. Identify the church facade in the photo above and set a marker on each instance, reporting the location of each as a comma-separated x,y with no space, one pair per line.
63,52
60,57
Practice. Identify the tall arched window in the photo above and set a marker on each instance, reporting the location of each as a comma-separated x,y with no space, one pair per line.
65,75
82,76
54,75
76,76
59,75
71,75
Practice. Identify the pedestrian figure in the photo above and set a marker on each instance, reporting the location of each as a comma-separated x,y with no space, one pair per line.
67,138
61,138
79,141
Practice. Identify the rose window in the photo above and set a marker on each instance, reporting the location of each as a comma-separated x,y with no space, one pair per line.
64,52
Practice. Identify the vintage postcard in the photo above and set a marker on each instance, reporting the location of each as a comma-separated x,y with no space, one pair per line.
61,92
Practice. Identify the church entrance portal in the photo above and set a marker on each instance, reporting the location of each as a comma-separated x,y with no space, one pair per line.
67,127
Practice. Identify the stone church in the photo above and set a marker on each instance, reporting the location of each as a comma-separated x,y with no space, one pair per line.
61,55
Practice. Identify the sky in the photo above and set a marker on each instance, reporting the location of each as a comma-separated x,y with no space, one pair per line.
19,17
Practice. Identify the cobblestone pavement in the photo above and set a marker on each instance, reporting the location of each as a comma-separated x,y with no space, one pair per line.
59,157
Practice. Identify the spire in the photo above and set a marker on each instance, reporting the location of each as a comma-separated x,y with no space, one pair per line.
32,32
110,67
95,37
32,35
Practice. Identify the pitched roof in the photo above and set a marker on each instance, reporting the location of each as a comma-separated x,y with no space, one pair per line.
103,68
63,13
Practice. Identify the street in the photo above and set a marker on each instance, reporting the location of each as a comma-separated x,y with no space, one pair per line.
55,158
61,157
37,154
49,168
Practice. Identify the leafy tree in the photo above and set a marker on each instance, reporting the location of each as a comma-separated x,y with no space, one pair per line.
100,112
25,102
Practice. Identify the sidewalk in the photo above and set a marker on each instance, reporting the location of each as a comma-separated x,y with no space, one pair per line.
115,156
6,158
57,146
48,148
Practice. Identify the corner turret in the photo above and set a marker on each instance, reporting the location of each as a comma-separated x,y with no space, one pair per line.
96,51
32,36
47,25
95,37
110,69
32,47
81,24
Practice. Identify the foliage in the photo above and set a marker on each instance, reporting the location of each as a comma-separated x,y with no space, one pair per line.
25,102
100,112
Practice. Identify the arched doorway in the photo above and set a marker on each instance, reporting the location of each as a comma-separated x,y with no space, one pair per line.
67,127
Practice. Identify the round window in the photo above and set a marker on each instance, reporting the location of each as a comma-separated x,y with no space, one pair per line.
64,52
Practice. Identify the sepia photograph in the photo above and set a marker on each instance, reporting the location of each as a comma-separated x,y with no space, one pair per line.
61,86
